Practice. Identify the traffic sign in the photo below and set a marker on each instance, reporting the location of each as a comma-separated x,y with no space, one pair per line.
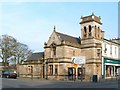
75,65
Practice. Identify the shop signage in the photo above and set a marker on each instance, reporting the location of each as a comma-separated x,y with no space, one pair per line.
78,60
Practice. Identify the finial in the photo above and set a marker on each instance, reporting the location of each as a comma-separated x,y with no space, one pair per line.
92,14
54,28
81,17
99,17
45,43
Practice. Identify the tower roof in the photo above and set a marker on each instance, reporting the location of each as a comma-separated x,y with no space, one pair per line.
91,18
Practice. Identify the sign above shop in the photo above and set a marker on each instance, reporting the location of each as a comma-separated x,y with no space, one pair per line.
78,60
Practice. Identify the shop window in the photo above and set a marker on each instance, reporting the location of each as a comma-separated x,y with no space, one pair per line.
81,73
71,73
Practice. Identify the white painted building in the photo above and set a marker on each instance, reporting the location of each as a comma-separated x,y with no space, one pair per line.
110,57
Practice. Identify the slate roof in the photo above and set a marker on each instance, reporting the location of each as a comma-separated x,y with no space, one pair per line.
117,40
36,56
68,38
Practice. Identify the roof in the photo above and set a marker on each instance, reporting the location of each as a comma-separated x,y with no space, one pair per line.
36,56
116,41
91,18
68,38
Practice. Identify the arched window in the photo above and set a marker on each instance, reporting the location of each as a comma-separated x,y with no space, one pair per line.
90,28
98,28
85,30
95,30
53,47
54,51
98,31
95,26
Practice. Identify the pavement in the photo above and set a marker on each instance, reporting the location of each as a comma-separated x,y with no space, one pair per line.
43,83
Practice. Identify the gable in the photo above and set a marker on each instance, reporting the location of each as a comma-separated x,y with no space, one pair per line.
54,39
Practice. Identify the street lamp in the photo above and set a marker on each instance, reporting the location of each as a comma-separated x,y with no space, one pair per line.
47,69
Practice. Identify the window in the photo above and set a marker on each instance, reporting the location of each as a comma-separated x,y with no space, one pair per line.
95,26
51,69
54,51
98,31
56,69
90,28
95,30
119,52
98,28
98,53
111,49
85,30
115,50
81,73
73,52
105,48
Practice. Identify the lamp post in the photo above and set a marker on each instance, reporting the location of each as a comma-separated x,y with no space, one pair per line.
47,69
42,68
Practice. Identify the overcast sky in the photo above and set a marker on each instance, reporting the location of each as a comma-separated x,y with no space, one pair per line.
32,22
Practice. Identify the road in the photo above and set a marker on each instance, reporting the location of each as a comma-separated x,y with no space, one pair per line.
37,83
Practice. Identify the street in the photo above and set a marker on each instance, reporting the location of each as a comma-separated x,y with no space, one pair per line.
37,83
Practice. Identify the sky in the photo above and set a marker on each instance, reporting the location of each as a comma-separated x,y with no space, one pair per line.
32,23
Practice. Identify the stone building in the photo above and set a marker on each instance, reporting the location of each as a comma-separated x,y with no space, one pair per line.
60,48
33,67
58,53
102,56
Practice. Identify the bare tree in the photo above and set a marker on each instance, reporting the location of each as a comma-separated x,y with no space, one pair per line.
12,51
7,45
21,53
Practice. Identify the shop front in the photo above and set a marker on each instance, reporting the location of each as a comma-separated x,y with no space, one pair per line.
76,73
110,68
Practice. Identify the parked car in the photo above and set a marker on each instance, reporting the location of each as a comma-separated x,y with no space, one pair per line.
9,74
